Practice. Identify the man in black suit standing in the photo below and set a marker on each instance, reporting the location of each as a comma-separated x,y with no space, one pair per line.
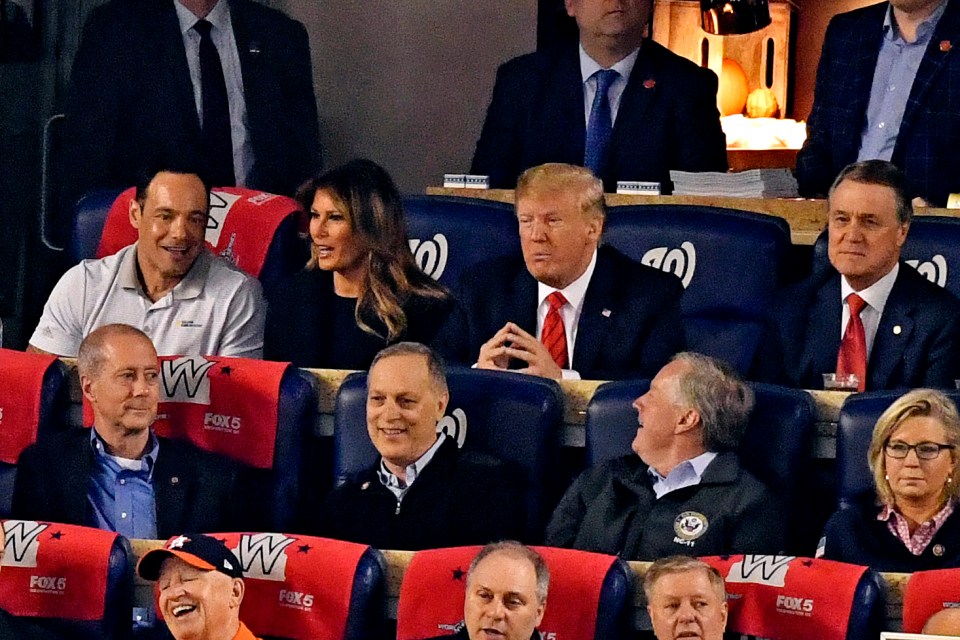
118,475
228,82
569,308
620,104
868,314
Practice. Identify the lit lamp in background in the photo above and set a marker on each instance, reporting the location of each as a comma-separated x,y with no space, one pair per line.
733,17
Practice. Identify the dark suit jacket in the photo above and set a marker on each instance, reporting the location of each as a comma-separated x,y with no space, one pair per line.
804,336
460,498
131,100
630,324
929,138
667,119
194,490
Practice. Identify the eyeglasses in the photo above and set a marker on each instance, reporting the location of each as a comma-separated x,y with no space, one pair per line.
925,450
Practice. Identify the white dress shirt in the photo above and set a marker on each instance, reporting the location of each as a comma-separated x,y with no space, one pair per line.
876,298
686,474
589,66
226,43
569,313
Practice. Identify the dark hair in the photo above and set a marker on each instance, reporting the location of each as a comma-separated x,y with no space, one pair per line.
884,174
146,175
374,208
435,366
90,355
521,552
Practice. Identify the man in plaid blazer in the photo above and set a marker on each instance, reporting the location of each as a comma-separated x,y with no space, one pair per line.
848,110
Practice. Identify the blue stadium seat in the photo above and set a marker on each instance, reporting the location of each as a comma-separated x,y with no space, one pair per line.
448,234
286,254
776,443
430,603
858,415
510,416
53,396
729,261
932,247
90,596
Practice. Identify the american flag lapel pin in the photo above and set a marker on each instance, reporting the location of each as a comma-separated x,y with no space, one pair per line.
945,46
649,83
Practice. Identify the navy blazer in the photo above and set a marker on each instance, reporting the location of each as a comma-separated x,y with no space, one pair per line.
667,119
194,490
131,99
629,327
917,342
928,143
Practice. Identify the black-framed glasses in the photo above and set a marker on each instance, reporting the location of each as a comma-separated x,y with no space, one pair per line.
925,450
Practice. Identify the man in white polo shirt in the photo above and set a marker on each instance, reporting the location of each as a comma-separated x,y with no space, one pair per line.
167,284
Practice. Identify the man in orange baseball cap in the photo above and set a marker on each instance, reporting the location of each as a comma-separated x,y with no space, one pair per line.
200,587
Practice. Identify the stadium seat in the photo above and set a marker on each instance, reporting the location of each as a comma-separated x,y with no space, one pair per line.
790,598
255,230
74,581
255,412
932,248
33,403
513,417
729,261
448,234
858,415
308,588
775,445
590,594
926,593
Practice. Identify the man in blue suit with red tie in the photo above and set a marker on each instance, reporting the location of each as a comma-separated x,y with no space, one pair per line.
888,88
620,104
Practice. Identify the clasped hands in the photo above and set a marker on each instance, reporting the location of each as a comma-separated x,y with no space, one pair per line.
513,342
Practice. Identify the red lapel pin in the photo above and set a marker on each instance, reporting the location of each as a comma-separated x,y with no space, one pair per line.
649,83
945,45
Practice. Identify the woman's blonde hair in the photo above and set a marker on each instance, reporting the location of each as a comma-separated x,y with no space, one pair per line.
364,192
919,403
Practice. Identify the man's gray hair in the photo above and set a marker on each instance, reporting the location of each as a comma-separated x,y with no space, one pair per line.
718,394
521,552
91,356
435,367
681,564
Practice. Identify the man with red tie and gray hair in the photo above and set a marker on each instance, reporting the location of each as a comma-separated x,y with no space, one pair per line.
568,308
868,314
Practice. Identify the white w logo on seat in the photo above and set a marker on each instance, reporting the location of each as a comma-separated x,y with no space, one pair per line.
934,270
431,255
768,570
185,379
261,555
20,548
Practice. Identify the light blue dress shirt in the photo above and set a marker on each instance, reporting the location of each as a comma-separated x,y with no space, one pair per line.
121,491
893,78
686,474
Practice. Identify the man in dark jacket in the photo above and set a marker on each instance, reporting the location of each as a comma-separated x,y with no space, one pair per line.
684,492
424,492
118,475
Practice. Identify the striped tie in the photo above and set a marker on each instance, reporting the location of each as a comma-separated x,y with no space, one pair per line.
553,336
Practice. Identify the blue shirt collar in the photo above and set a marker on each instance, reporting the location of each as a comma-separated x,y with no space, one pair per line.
147,462
924,30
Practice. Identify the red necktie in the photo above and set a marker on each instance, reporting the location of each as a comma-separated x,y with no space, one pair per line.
853,348
553,336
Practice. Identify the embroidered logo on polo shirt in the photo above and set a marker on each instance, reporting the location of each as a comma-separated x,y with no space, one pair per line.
689,526
189,324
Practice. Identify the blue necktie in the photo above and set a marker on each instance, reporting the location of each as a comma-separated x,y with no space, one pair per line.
600,124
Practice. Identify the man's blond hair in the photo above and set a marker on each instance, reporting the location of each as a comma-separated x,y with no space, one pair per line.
555,177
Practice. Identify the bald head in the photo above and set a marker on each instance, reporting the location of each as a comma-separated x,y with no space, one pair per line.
945,622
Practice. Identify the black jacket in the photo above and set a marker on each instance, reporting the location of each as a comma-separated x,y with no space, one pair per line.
194,490
667,119
611,508
460,498
629,327
855,535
